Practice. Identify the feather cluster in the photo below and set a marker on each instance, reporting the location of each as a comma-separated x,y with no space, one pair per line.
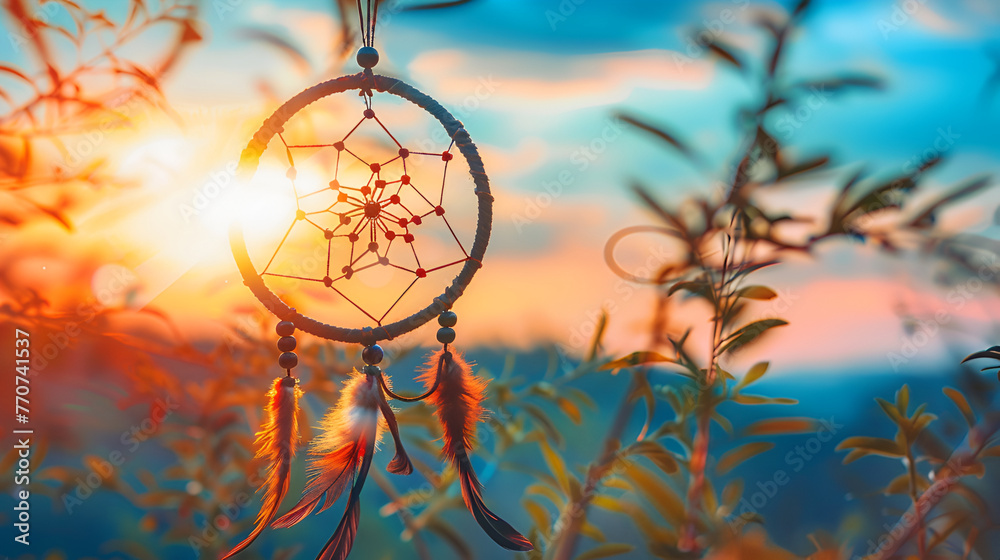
342,456
275,445
458,400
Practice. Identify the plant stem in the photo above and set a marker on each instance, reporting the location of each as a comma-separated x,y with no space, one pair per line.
575,513
951,474
404,514
915,498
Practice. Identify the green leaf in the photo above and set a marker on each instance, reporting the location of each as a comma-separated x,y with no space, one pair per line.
539,515
695,287
543,422
751,332
595,343
755,373
757,292
556,498
735,457
570,409
605,551
556,465
645,390
731,494
657,492
871,445
903,399
890,410
655,452
635,359
963,405
775,426
758,399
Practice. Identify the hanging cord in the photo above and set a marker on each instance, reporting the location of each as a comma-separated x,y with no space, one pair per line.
372,21
366,22
437,381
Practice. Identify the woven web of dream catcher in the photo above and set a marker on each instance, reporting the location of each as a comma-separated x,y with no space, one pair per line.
372,217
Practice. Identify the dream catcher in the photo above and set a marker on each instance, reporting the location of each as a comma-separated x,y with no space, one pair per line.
366,225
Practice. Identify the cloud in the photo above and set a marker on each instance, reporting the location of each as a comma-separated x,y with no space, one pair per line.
535,82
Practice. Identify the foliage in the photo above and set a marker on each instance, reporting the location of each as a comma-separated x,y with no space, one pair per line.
665,478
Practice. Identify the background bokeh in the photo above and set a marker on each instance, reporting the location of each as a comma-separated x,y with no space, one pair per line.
118,226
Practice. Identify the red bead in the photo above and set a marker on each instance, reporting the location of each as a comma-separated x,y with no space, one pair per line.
379,184
394,199
369,114
446,156
373,246
421,273
334,185
342,197
415,220
405,179
404,153
402,222
327,281
439,210
366,190
352,237
375,167
345,219
339,146
408,238
328,234
390,235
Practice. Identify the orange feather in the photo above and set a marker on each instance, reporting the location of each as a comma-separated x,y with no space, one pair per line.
336,455
276,446
458,399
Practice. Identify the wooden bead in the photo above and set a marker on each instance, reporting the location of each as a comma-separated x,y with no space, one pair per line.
447,319
372,354
286,343
288,360
367,57
446,335
285,328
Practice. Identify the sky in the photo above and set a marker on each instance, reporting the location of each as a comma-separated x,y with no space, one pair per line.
537,84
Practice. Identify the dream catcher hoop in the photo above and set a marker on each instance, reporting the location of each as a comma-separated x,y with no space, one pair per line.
342,456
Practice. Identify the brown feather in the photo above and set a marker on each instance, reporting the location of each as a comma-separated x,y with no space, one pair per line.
458,399
276,446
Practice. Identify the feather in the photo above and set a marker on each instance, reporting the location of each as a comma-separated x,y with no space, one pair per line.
276,446
400,464
353,423
340,544
458,400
